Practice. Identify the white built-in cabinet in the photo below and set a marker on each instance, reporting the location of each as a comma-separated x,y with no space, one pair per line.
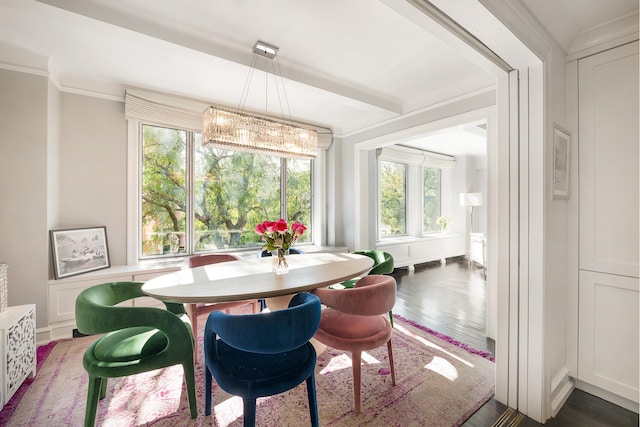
63,294
608,285
17,349
409,251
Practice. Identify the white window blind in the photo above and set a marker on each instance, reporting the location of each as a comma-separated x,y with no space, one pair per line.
413,156
186,114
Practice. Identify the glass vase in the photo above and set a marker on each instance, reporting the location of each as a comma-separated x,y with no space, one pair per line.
280,265
4,287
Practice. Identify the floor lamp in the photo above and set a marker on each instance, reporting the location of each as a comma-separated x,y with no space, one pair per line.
470,200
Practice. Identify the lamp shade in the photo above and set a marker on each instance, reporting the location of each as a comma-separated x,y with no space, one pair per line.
470,199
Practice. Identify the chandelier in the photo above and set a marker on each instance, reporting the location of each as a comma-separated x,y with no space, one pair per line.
241,131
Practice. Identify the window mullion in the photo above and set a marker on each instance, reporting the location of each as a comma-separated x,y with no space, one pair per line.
283,188
189,184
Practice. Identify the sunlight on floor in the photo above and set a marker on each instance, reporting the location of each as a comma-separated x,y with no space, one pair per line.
343,361
228,411
426,342
443,367
129,396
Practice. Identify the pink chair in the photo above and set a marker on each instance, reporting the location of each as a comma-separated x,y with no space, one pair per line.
354,321
198,309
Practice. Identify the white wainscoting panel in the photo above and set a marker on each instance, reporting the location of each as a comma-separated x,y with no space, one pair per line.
410,251
609,333
608,157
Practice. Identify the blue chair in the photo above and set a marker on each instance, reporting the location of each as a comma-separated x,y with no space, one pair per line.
263,354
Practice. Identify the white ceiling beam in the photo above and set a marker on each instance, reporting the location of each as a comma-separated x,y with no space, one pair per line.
238,54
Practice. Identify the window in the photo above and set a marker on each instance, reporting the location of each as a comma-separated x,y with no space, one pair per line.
431,181
199,198
393,189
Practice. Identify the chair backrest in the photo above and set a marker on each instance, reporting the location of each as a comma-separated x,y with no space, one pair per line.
97,310
292,251
94,304
382,261
268,332
372,295
206,259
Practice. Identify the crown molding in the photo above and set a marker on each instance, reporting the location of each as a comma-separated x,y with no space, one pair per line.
24,69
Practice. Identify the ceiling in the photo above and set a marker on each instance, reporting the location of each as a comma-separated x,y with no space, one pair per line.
348,65
566,20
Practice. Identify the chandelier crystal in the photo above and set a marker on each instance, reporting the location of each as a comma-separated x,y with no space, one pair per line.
241,131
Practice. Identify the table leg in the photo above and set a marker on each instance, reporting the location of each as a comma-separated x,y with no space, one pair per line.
278,303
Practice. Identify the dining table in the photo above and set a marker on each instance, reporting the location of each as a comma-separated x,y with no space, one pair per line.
254,278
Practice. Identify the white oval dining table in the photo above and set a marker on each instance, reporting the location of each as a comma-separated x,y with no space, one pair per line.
253,278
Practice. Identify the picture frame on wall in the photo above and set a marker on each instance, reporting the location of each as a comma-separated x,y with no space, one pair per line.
79,250
561,163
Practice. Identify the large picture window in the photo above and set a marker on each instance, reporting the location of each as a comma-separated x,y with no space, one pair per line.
431,198
198,198
393,195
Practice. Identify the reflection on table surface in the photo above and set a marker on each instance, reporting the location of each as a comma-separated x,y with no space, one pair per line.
253,278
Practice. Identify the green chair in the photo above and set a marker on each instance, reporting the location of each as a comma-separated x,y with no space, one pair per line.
382,264
136,340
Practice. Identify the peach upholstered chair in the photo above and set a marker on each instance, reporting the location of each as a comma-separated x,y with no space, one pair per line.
354,321
198,309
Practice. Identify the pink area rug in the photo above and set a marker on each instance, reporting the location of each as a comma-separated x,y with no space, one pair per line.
42,352
440,382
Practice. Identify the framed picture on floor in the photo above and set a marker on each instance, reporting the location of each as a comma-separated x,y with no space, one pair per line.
561,163
79,250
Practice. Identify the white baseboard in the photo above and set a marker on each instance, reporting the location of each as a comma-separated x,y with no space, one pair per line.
43,336
57,331
561,387
608,396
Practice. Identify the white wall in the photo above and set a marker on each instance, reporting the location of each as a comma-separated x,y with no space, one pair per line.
23,195
93,169
556,246
63,159
356,164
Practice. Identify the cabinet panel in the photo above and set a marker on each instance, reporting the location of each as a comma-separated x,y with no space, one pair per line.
62,296
400,253
608,157
608,336
432,248
18,349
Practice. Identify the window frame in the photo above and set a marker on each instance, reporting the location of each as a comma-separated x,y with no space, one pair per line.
415,161
379,199
134,201
422,216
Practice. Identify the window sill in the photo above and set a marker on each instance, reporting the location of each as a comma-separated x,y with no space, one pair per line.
410,239
160,265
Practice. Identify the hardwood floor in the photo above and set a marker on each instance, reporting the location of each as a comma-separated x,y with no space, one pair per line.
451,299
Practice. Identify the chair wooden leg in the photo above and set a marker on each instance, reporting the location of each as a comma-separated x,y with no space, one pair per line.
93,394
356,360
249,412
391,365
190,379
192,312
313,403
207,390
